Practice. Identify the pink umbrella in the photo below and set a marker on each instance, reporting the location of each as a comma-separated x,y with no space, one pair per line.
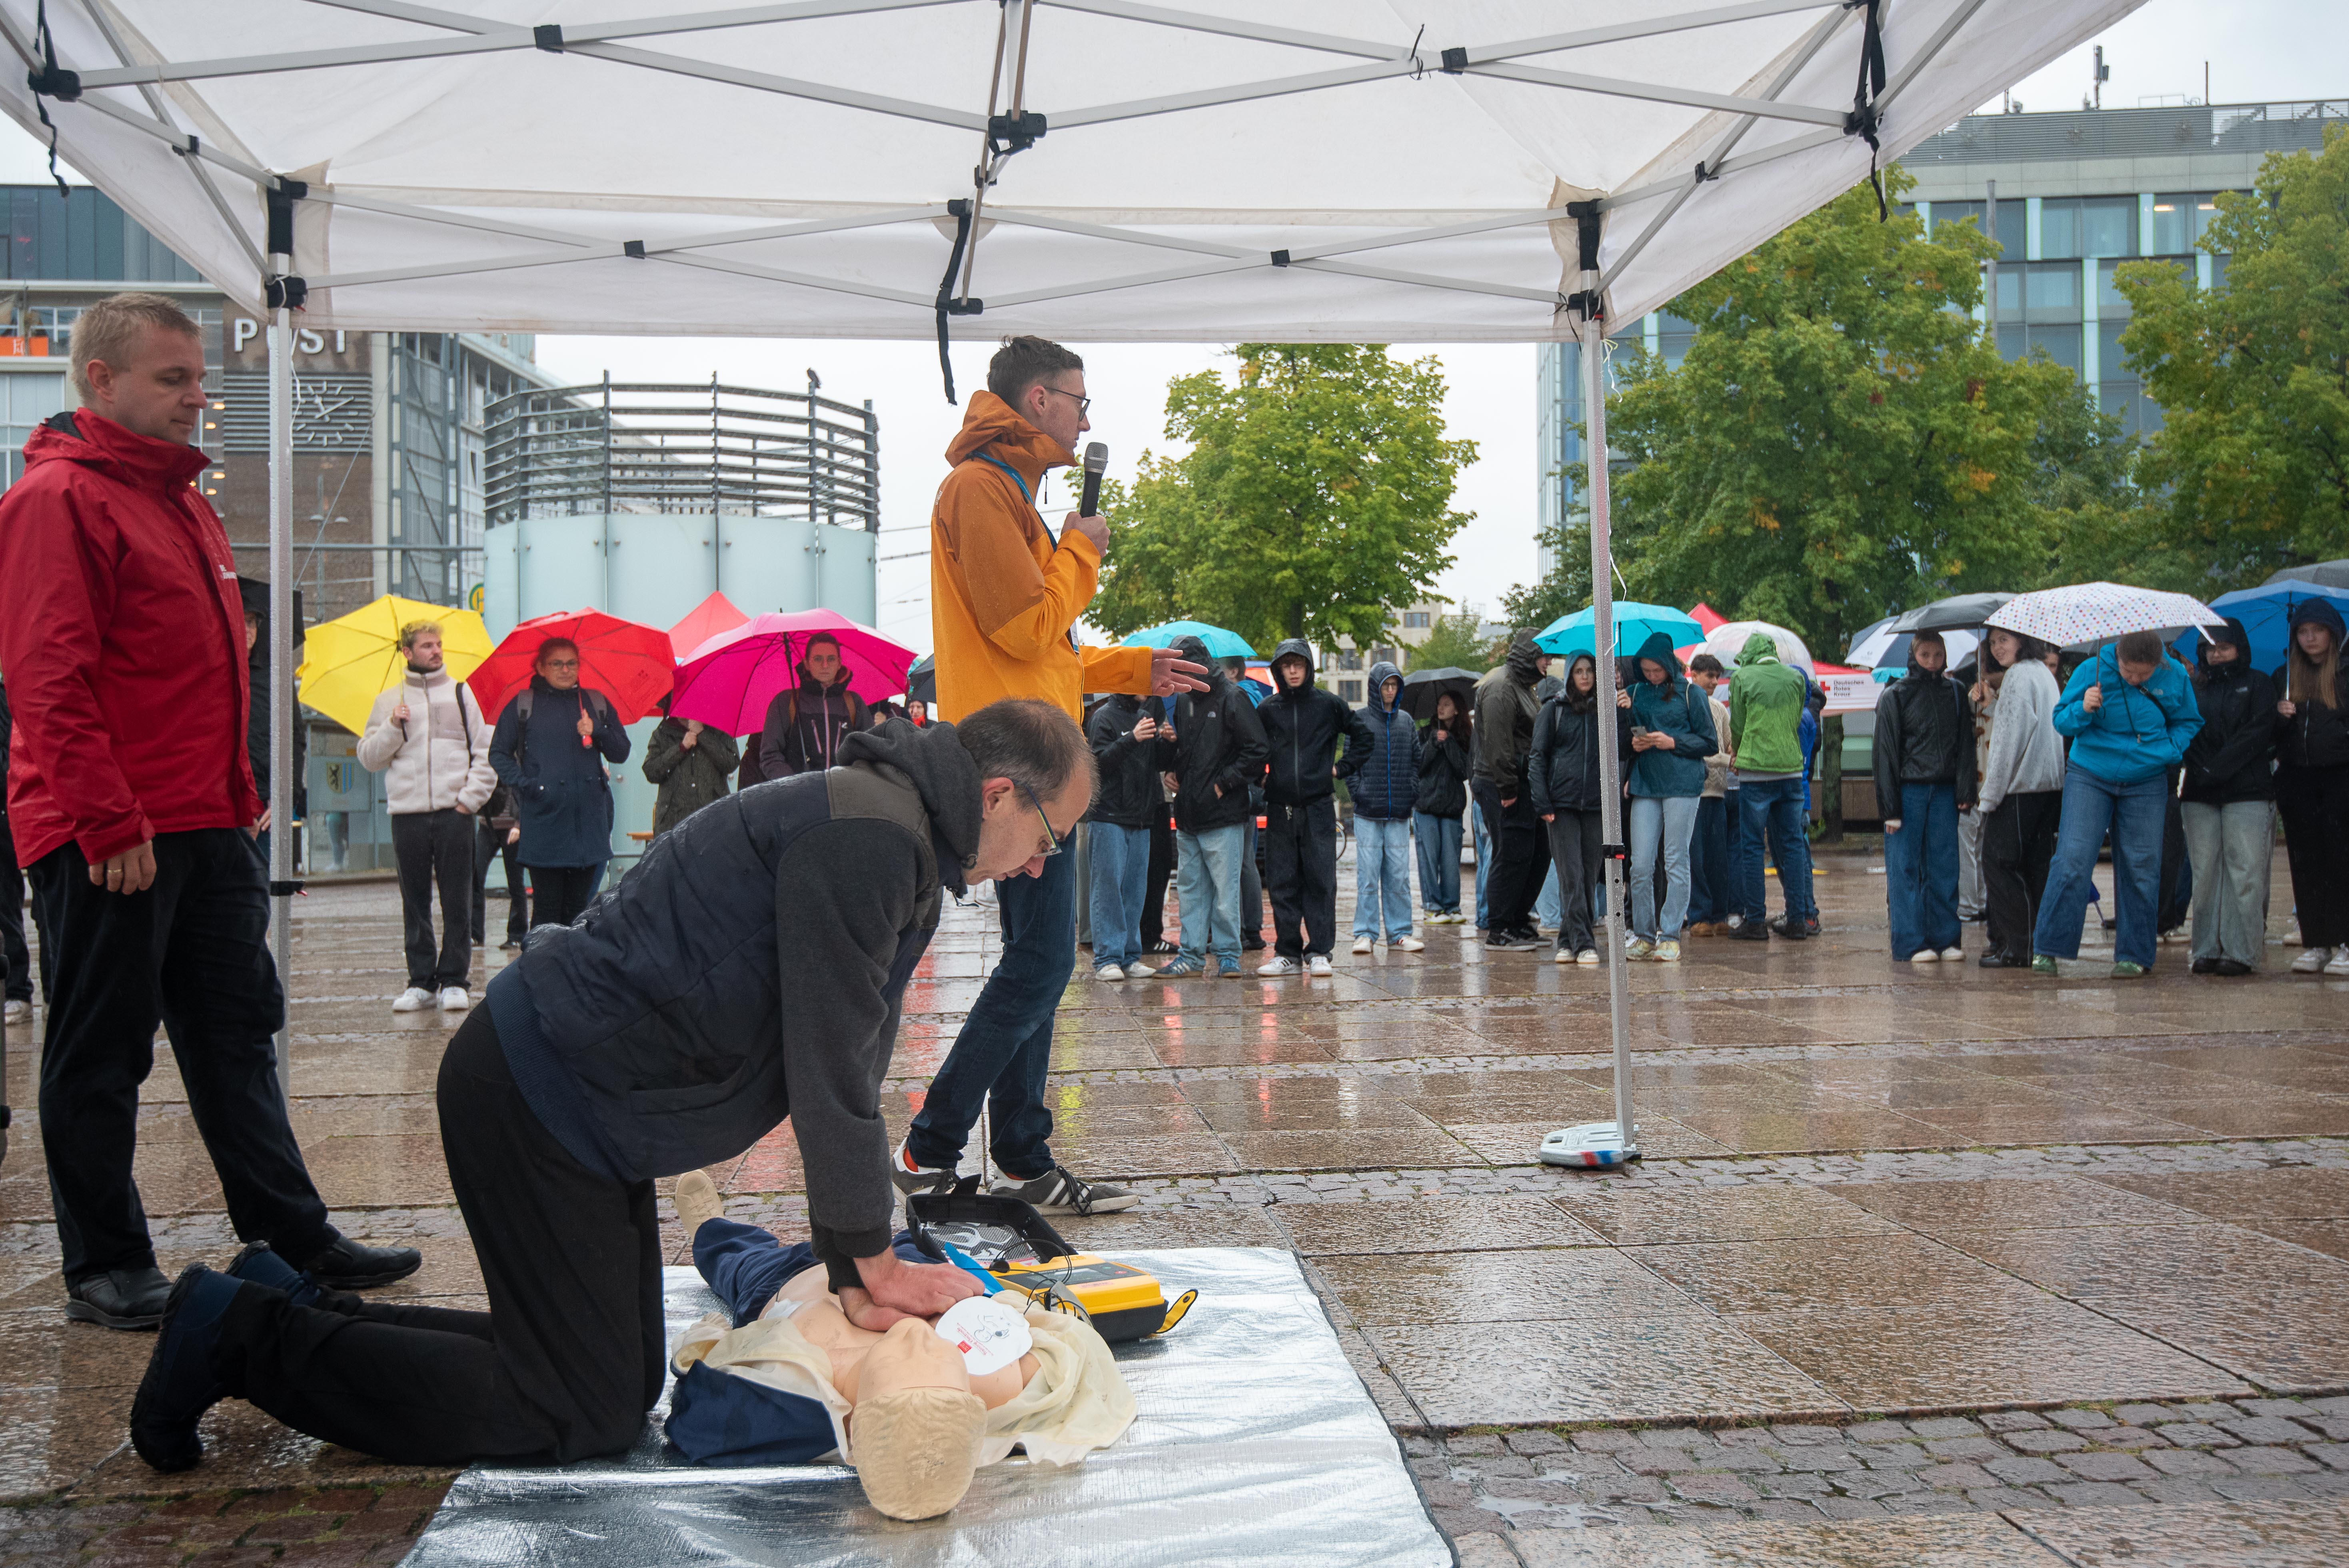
631,664
728,681
714,614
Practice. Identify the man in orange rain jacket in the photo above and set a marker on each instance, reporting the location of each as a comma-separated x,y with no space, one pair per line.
1004,598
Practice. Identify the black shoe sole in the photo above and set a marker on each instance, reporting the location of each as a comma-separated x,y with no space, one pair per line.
364,1281
167,1446
83,1312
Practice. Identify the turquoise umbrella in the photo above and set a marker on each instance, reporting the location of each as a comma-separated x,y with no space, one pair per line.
1221,644
1634,624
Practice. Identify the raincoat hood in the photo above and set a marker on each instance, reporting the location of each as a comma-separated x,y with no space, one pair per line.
991,424
930,758
1918,672
1758,649
1658,649
1577,701
1292,648
2321,610
1381,673
2231,633
1524,657
1195,651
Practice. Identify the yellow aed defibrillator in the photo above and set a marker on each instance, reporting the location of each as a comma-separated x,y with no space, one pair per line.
1010,1245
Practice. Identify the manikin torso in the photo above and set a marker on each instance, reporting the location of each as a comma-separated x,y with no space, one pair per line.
815,1311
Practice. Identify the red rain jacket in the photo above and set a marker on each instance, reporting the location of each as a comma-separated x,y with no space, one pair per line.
122,642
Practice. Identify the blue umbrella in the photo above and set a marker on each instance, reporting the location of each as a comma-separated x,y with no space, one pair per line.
2266,614
1634,624
1221,644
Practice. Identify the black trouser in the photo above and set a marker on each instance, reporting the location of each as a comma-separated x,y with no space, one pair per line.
1574,843
565,1361
12,919
191,952
1252,894
1301,871
1162,872
2018,841
435,849
2314,804
2177,869
1515,883
562,892
490,845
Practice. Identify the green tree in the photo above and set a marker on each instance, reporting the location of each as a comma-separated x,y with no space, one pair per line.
1317,492
2254,377
1452,642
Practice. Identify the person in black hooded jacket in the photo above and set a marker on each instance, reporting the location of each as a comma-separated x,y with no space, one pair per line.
1217,752
1123,734
1562,770
2313,782
1925,776
1447,755
1505,710
2226,802
1303,728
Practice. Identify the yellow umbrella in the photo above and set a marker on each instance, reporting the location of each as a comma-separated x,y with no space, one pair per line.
349,662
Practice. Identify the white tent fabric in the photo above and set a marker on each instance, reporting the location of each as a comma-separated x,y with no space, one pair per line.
1209,171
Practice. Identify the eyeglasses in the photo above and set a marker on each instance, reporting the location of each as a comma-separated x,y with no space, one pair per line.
563,664
1052,839
1084,405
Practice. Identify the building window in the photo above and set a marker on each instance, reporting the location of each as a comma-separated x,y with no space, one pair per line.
1415,620
1350,690
24,401
1349,659
2087,226
2178,221
1382,656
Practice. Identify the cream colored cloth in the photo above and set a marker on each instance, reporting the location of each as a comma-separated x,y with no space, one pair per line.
1077,1401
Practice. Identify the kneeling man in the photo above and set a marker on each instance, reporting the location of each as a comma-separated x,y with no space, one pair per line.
750,969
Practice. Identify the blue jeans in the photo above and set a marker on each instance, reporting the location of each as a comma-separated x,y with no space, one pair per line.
1773,807
1121,869
1483,864
1005,1048
744,1266
2134,813
1663,823
1382,876
1920,871
1712,894
1438,839
1208,884
1546,910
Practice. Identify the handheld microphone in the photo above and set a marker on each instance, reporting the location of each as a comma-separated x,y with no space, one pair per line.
1096,464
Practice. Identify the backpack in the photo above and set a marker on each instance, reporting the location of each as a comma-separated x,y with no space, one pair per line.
598,704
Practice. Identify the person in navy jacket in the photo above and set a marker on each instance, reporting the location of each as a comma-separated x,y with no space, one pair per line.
552,743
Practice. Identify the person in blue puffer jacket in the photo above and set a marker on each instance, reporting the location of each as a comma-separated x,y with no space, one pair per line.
549,750
1385,788
1672,735
2131,714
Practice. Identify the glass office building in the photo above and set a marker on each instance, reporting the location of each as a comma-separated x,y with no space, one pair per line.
2076,193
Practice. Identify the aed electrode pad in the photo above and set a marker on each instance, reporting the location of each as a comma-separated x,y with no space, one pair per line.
990,1334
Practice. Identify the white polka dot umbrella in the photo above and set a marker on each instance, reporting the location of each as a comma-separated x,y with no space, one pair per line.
2092,613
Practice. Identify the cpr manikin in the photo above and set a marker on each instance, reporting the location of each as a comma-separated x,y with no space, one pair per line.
914,1414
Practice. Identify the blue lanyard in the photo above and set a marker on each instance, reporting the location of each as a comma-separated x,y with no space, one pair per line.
1025,494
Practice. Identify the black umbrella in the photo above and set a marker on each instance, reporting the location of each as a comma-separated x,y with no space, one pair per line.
1959,610
1422,687
922,680
2324,574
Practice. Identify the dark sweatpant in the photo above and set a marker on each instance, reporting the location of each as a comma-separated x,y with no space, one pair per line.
1514,884
1162,872
490,845
2314,804
2018,842
435,850
563,1365
1574,844
12,917
1300,873
560,893
191,952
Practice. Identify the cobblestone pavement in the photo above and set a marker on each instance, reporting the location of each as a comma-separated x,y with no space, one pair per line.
1926,1264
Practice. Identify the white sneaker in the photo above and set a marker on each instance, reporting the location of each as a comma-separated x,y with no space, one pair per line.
2311,960
2340,965
1953,956
1277,965
1317,966
414,999
1109,972
1589,958
1637,948
455,999
1362,944
1408,943
1666,953
1561,956
1924,955
1137,970
17,1012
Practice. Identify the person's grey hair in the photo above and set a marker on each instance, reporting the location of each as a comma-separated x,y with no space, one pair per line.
110,330
1030,743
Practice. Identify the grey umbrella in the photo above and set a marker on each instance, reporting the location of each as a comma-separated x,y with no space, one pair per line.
1947,614
922,680
1422,687
2324,574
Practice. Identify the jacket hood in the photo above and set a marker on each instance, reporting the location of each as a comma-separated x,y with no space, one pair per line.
1758,648
1658,649
932,758
2231,632
1296,648
1576,700
1524,657
1918,672
1194,650
991,424
2321,610
96,442
1381,673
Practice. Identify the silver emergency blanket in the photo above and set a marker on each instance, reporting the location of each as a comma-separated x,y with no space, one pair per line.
1254,1442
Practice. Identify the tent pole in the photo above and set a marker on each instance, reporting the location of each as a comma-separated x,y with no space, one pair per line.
281,660
1610,798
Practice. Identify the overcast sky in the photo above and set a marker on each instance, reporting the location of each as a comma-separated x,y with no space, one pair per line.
2257,50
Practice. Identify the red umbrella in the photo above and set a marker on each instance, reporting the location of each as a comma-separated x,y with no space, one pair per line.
728,681
714,614
632,665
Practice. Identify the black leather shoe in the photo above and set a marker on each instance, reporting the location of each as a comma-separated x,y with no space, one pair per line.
119,1298
2002,961
179,1386
1752,931
354,1266
2204,966
2229,968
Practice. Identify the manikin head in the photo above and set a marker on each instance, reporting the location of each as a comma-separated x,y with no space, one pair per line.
914,1434
822,661
419,642
138,360
1036,782
1928,653
558,663
1044,383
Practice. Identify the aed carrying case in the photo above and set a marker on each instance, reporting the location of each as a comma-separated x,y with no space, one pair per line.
1017,1246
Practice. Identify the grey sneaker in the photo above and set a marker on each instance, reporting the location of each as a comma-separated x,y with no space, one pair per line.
1061,1191
913,1180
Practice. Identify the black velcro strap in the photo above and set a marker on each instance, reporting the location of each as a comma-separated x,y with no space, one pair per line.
961,209
285,294
547,35
52,80
1456,60
1587,302
284,889
633,248
1280,258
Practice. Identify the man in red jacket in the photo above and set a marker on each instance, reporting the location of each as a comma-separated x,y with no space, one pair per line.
122,634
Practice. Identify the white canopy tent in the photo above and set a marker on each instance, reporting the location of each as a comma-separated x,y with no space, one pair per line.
1363,171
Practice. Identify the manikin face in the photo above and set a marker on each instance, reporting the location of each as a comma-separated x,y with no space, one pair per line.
823,662
159,391
1011,834
910,1355
425,652
1929,654
1056,406
2315,641
560,665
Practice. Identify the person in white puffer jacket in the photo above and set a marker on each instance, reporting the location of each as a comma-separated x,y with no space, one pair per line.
427,737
